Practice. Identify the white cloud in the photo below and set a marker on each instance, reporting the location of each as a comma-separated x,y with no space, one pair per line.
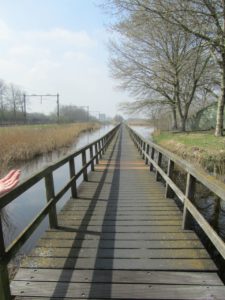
58,60
5,31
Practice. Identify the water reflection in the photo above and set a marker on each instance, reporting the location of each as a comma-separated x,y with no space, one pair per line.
18,214
145,131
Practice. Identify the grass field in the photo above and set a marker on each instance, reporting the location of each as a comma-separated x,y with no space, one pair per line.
23,143
200,147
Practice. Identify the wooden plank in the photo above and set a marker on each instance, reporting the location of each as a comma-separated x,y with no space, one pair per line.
120,264
117,291
63,235
123,229
121,218
119,276
120,223
179,244
115,213
119,253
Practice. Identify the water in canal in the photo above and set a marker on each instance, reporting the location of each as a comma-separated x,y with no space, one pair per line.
18,214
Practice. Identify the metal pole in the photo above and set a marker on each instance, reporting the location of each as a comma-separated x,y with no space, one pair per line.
25,108
57,107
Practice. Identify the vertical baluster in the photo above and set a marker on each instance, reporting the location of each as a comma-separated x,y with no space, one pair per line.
91,157
96,153
147,152
190,192
72,174
159,163
143,150
50,194
103,145
84,162
5,293
99,148
170,169
152,157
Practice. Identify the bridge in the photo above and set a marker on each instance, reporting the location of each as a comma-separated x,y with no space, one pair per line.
121,235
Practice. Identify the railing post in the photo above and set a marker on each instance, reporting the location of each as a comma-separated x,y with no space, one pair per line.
141,144
103,143
143,150
152,157
91,157
190,192
5,293
84,162
170,169
72,174
96,153
159,162
50,193
99,148
147,152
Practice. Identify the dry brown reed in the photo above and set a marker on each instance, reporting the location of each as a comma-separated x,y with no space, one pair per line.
23,143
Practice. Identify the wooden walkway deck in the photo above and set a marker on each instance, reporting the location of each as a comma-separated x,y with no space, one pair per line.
121,239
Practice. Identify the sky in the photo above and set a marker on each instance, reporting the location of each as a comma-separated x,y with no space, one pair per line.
58,46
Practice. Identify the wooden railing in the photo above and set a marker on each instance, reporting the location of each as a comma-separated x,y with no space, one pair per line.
153,155
96,149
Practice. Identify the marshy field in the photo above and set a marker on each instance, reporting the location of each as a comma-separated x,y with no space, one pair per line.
23,143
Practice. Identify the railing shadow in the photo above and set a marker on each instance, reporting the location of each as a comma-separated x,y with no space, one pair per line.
80,237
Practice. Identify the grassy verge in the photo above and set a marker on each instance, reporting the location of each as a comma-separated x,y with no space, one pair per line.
202,148
23,143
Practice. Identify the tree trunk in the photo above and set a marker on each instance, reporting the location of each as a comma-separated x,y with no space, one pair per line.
183,124
175,126
221,102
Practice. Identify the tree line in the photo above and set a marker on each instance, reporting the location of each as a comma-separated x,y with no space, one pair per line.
13,109
170,55
12,104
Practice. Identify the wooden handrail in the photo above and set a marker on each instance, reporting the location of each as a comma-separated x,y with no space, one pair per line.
193,174
6,254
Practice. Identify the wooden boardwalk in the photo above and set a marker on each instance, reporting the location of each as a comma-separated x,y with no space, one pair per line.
120,239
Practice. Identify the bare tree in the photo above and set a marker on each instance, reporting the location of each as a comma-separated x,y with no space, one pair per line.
165,66
205,19
2,100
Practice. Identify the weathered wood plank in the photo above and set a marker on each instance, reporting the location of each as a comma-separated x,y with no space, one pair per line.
119,276
123,229
119,253
179,244
120,236
118,291
120,264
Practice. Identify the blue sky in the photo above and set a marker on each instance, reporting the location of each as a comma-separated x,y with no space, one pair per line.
50,46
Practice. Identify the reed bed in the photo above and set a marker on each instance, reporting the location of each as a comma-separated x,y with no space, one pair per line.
22,143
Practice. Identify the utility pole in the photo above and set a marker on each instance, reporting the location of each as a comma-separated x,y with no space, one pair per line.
46,95
57,101
24,108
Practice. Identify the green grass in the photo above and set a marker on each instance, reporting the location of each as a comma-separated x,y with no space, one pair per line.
204,140
202,148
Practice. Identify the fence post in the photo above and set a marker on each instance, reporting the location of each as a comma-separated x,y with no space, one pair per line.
99,148
152,157
190,192
5,293
50,193
143,150
84,162
91,157
147,152
96,151
170,168
159,162
72,174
